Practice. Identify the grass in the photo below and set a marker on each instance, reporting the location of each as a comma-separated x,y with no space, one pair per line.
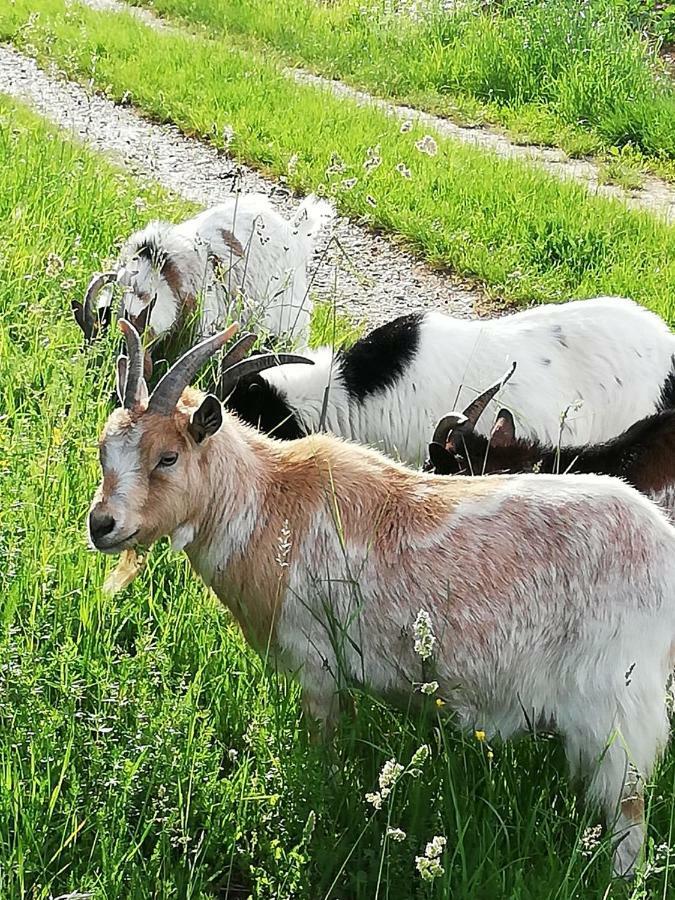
526,236
145,752
581,75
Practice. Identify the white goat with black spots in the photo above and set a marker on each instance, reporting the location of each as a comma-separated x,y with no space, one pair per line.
607,362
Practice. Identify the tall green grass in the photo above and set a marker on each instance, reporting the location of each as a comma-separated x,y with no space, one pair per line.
145,752
527,236
581,72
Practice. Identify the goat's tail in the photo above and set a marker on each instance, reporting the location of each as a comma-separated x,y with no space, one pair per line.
313,214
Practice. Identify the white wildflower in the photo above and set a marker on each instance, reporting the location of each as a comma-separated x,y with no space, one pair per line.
337,165
424,635
233,755
429,687
590,840
427,145
349,183
435,847
292,164
228,135
391,772
54,265
406,126
284,545
396,834
373,159
428,865
403,170
420,756
428,868
375,800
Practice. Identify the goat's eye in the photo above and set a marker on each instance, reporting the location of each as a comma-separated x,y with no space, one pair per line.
166,460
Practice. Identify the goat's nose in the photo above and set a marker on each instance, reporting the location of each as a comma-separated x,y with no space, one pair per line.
100,524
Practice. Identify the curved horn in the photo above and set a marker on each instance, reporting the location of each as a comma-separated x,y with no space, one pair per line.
84,311
167,393
134,367
238,351
447,424
256,364
476,408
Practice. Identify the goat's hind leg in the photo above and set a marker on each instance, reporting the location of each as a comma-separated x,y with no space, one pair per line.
617,759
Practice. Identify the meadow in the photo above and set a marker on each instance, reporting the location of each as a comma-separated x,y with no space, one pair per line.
521,233
585,76
145,750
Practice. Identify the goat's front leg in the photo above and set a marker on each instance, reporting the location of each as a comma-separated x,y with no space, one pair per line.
320,701
629,831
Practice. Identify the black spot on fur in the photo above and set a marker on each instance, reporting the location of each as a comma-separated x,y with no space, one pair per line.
559,336
260,404
378,360
618,381
667,398
545,361
151,248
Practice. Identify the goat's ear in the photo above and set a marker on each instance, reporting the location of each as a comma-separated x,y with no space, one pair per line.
121,379
78,311
147,366
440,460
206,420
504,430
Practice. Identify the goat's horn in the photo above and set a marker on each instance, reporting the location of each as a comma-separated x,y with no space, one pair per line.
238,351
167,393
84,312
134,376
474,410
255,364
447,424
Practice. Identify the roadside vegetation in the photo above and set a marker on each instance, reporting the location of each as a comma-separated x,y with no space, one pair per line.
584,75
145,751
525,235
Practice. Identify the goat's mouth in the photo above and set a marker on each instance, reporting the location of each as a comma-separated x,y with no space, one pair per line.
118,545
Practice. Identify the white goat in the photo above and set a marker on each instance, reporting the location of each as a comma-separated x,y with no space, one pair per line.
390,389
542,591
239,253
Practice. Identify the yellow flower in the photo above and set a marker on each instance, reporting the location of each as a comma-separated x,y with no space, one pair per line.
479,735
490,754
440,702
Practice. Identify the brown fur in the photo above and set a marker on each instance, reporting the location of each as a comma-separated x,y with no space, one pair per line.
110,480
633,809
300,479
231,241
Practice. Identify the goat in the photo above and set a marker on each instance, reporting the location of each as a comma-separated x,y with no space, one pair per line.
541,591
240,250
644,455
391,387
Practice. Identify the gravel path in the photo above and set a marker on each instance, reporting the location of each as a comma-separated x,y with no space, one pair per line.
370,277
655,196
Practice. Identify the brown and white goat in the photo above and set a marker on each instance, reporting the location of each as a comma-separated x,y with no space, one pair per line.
542,591
644,455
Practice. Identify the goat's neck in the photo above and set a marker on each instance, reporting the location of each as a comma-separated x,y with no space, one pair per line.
227,509
239,531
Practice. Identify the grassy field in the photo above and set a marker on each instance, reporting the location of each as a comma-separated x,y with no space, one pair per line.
525,235
145,752
582,75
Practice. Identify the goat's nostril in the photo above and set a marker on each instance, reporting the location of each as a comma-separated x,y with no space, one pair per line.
100,524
